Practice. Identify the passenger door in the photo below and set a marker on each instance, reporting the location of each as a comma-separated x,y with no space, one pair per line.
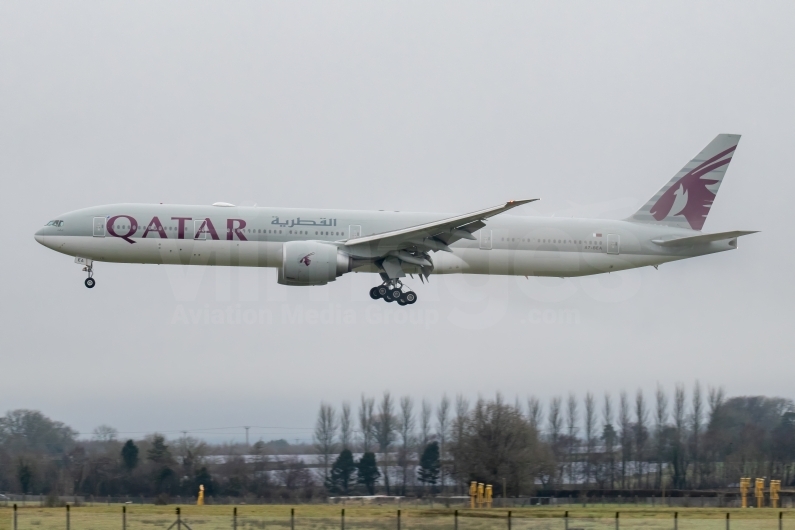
354,231
485,239
613,243
99,227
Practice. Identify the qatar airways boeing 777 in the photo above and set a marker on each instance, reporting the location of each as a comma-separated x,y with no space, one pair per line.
314,247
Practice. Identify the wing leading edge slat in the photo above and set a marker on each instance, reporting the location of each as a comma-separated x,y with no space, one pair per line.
437,234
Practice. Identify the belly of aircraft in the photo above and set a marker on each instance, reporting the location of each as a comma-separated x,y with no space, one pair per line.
538,263
269,254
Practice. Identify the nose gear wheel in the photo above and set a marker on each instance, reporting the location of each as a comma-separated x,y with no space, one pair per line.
90,281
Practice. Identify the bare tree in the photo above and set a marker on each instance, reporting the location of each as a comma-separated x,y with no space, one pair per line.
425,423
555,425
641,433
105,433
459,424
571,426
625,433
696,423
442,426
534,413
499,447
678,460
461,410
385,433
609,438
406,425
717,398
660,422
325,432
716,401
346,426
590,431
366,423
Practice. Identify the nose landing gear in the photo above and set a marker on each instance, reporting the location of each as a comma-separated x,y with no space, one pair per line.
90,281
392,291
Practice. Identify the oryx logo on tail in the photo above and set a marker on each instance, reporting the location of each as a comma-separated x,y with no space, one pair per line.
690,196
686,200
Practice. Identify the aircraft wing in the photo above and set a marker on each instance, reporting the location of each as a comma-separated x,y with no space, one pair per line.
392,250
702,238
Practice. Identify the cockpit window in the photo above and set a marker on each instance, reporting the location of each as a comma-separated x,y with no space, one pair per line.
55,223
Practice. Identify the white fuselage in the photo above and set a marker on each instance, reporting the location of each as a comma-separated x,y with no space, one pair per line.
254,237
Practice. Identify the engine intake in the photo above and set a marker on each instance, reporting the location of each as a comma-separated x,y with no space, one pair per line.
312,263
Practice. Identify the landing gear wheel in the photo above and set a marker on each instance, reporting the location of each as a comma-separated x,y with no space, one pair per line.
396,293
410,297
382,291
388,297
90,283
401,301
374,294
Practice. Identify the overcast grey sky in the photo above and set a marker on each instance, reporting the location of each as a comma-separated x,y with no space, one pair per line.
423,106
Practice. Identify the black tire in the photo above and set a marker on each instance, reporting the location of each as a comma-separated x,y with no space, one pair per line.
382,291
410,297
396,293
401,301
388,298
90,283
374,293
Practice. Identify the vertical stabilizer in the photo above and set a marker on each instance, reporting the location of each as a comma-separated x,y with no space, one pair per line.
685,201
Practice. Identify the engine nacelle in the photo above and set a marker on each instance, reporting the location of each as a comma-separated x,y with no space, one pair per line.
312,263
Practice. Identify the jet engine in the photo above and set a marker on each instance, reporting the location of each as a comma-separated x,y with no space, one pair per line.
312,263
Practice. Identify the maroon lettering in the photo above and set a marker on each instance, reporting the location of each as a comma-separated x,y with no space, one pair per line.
207,228
110,226
181,225
155,226
231,230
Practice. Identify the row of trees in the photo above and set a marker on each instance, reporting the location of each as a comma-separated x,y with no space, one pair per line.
694,439
42,456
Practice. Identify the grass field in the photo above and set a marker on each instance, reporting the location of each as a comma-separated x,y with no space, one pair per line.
324,516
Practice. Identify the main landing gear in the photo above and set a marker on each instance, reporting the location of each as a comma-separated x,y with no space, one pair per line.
392,291
90,281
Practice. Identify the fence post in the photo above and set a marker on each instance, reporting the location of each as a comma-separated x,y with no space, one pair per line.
455,526
67,517
292,518
179,519
123,518
676,520
342,519
780,519
616,520
727,520
234,518
509,519
398,520
15,516
566,520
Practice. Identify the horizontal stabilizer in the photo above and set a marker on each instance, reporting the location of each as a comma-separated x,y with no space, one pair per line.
702,238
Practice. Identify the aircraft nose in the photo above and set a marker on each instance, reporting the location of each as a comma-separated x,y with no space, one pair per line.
39,236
